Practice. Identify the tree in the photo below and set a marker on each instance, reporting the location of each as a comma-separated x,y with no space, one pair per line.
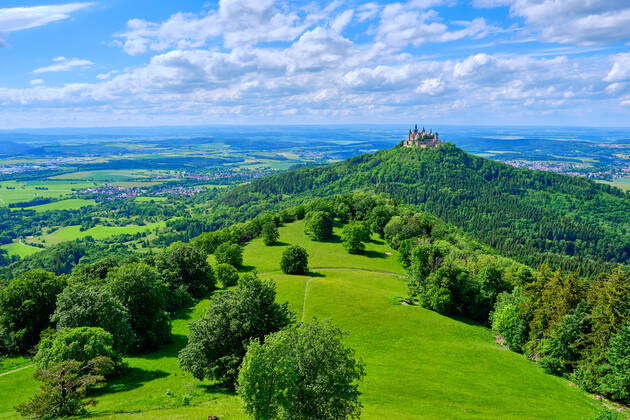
25,308
319,225
616,381
561,350
226,275
140,290
64,387
294,260
95,272
507,321
353,235
270,234
228,253
217,342
183,265
209,241
305,372
94,306
379,217
81,344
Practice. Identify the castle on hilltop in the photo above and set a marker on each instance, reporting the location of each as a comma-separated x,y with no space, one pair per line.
417,138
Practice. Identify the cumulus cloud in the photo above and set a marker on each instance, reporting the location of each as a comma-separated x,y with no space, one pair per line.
36,82
64,64
592,22
20,18
221,64
403,24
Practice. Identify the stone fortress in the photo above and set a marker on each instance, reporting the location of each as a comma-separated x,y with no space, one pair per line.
417,138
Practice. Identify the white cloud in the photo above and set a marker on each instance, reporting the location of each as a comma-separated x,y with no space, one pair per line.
402,24
582,22
64,64
620,71
36,82
20,18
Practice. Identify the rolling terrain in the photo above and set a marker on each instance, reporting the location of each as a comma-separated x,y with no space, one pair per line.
533,216
420,365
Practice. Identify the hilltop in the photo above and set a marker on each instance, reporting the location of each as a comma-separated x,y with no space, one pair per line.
533,216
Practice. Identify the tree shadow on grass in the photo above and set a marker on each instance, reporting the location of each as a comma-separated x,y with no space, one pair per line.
374,254
314,274
334,239
377,242
246,269
172,349
280,243
217,388
133,378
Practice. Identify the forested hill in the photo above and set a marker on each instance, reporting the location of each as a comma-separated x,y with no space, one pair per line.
534,216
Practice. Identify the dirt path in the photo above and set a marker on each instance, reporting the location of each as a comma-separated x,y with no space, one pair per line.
306,290
15,370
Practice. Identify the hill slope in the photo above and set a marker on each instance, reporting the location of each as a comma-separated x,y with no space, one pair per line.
533,216
420,365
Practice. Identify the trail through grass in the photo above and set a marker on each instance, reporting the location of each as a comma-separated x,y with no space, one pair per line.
420,365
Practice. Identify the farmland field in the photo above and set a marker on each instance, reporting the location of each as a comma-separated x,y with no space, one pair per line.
69,204
70,233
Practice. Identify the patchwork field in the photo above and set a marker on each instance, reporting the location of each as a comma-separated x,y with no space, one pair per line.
420,365
23,191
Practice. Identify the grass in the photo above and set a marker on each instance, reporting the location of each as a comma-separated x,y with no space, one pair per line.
24,191
20,249
69,204
70,233
420,365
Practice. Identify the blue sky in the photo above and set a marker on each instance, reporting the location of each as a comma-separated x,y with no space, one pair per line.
148,62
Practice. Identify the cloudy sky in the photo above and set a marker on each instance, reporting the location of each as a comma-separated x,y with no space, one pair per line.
150,62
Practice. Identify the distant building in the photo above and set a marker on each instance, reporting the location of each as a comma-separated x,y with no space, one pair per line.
417,138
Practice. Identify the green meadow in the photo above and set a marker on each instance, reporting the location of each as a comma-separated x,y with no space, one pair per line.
420,365
20,249
69,204
70,233
23,191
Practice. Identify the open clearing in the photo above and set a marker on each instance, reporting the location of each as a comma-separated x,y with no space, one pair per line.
420,365
23,191
69,204
70,233
20,249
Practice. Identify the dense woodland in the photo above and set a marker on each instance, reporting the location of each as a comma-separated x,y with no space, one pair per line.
533,216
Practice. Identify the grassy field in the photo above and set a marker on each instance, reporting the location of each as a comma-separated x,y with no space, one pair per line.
420,365
69,204
70,233
18,191
20,249
623,183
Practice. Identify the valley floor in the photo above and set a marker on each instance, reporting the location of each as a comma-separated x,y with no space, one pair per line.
420,365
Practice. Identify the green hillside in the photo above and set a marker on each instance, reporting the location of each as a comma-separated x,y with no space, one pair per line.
420,365
534,216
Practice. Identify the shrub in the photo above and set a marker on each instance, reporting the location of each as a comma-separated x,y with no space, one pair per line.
217,342
353,237
270,234
616,381
507,321
228,253
94,306
294,260
226,275
319,225
301,373
81,344
25,308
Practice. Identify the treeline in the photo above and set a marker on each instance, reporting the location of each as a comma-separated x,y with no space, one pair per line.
533,216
